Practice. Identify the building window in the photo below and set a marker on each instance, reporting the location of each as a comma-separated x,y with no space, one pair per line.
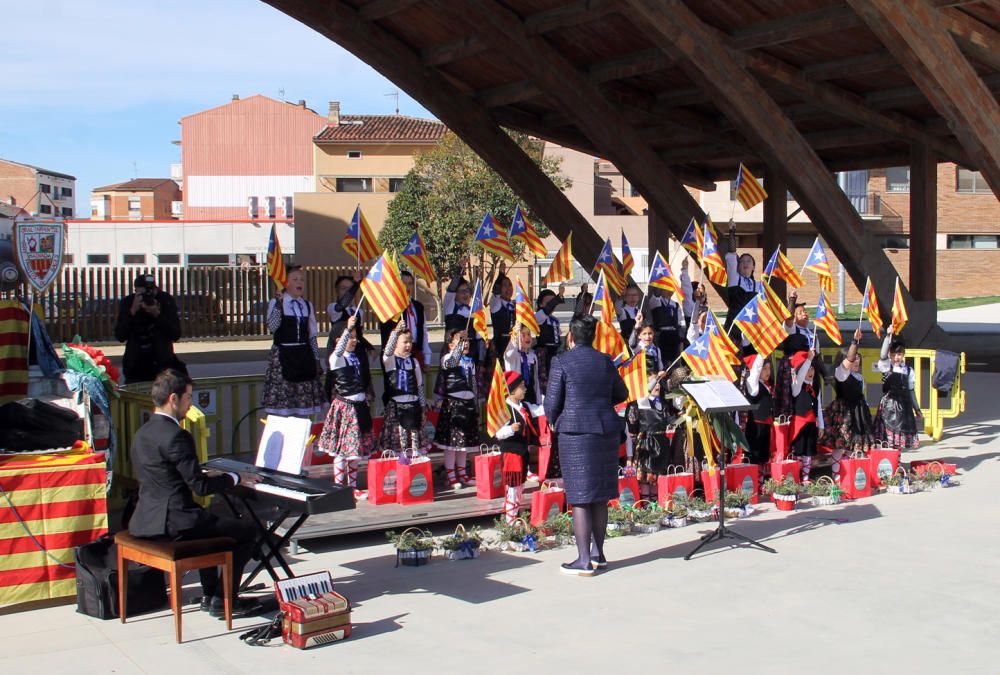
632,191
98,258
353,154
134,259
168,258
894,241
45,208
45,188
67,258
973,241
67,212
897,179
395,184
134,204
354,185
970,181
208,259
67,192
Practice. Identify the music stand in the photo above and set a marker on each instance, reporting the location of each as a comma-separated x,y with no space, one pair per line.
718,398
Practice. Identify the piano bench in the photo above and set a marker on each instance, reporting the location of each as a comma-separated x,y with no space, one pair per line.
175,558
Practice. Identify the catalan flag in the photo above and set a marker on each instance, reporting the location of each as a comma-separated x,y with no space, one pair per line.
608,264
521,228
360,231
415,255
609,340
602,300
749,191
384,289
497,413
761,327
523,314
693,241
827,320
869,307
628,262
705,357
779,267
633,372
817,262
662,277
477,312
492,236
711,259
561,268
275,262
899,314
726,343
775,303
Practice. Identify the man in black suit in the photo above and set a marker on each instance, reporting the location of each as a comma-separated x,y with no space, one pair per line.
168,471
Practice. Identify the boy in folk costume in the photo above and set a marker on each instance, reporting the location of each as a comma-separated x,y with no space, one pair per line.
742,287
807,412
347,432
514,439
458,424
627,310
403,426
519,357
644,338
502,310
896,419
760,391
668,320
550,336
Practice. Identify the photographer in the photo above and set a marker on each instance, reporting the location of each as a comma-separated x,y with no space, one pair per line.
148,325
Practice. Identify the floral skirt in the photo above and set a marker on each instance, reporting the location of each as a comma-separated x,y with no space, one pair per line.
281,397
458,424
895,422
342,433
396,438
848,427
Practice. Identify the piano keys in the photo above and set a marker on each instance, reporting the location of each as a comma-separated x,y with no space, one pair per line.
286,491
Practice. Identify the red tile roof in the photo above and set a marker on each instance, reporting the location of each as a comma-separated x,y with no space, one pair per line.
382,128
134,185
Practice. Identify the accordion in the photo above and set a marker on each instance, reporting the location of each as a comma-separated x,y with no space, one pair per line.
313,613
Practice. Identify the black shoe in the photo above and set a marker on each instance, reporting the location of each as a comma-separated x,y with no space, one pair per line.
242,607
575,570
598,562
206,603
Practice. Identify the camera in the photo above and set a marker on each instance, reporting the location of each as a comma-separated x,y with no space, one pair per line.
148,296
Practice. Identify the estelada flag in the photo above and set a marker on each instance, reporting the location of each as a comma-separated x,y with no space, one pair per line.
522,229
276,263
497,413
817,262
608,264
711,259
415,255
780,267
523,314
705,357
492,236
693,241
749,191
826,319
899,314
628,262
561,268
477,312
633,372
726,343
609,340
385,290
662,277
778,307
869,307
602,300
360,231
760,326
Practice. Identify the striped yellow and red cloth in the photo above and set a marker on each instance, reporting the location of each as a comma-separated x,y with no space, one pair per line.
60,498
13,351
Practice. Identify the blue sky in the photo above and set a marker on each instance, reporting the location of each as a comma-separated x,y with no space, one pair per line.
92,86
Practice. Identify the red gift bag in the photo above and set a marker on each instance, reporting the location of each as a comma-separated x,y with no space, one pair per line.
743,478
628,488
781,438
414,481
856,477
489,479
884,462
710,484
548,501
674,484
382,479
792,468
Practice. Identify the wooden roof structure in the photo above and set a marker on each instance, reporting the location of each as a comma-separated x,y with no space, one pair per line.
677,92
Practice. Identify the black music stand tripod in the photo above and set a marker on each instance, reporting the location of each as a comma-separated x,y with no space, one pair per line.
720,398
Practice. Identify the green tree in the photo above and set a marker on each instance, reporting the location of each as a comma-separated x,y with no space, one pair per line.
447,193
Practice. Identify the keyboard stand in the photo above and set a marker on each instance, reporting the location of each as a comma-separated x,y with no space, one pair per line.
266,547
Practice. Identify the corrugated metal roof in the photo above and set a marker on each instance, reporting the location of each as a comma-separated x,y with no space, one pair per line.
382,128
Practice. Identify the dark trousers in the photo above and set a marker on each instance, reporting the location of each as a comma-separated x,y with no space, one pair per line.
245,534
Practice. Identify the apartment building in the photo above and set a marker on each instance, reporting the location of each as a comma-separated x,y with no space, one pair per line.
42,193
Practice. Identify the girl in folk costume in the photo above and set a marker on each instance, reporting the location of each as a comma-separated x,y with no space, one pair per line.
502,310
644,338
457,310
347,432
848,418
514,437
403,426
520,358
668,319
807,413
647,420
549,337
896,420
627,310
760,391
292,382
458,424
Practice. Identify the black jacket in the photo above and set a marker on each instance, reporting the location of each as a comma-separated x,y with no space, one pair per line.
149,342
167,468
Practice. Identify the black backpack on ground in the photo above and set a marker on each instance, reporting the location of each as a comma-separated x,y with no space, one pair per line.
97,582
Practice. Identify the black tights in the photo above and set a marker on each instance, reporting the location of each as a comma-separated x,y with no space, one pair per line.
590,523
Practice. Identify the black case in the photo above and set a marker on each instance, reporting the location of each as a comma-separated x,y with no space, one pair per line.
97,582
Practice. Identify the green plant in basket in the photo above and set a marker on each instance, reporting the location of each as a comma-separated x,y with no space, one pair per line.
412,539
786,487
737,499
619,515
462,539
515,532
648,515
559,527
677,509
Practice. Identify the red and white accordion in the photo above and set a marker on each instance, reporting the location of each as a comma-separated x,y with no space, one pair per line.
313,613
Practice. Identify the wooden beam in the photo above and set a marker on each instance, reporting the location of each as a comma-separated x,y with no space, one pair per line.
506,94
463,48
775,232
912,31
795,27
398,62
380,9
976,39
912,95
852,66
923,224
566,16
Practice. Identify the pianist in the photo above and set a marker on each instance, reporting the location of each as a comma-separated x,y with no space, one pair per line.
168,471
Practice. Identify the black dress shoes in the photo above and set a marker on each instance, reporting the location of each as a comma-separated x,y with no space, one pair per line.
242,607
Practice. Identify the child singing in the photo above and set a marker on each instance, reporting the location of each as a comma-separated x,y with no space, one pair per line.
458,424
896,419
807,414
849,419
520,431
520,357
644,338
760,392
402,428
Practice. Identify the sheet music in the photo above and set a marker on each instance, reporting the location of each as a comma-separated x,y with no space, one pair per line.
721,396
283,444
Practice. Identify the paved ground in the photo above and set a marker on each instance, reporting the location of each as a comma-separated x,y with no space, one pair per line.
888,584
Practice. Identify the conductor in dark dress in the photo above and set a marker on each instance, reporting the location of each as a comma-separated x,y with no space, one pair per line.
584,387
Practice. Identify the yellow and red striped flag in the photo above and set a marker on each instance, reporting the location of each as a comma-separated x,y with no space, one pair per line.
749,191
609,340
523,314
760,326
385,290
415,255
561,268
869,307
275,262
711,259
777,307
602,299
359,241
477,311
628,262
497,413
705,357
693,241
817,262
899,314
780,267
492,236
633,372
827,320
662,277
608,263
522,229
726,343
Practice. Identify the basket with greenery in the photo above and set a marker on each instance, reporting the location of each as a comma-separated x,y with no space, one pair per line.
619,520
413,546
935,476
738,504
647,517
824,491
784,492
900,483
518,535
463,544
675,515
698,509
558,529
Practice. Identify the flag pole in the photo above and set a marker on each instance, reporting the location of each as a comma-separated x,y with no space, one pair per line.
357,308
674,362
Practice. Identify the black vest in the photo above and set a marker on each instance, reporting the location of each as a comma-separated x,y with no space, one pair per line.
666,315
897,383
456,379
549,332
626,325
459,322
795,342
408,375
738,299
764,410
651,352
517,443
293,329
349,381
804,402
852,390
418,338
503,321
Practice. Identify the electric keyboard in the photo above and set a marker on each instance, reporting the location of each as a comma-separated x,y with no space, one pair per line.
297,493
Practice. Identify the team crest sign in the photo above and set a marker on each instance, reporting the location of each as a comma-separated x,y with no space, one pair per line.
40,248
